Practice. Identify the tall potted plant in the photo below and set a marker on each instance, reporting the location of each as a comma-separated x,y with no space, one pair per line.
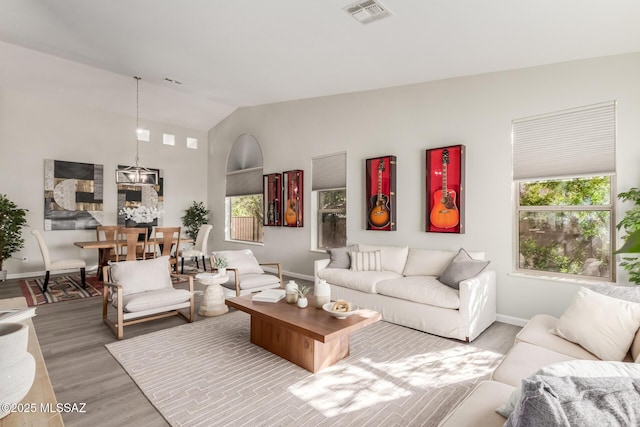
194,217
631,224
12,219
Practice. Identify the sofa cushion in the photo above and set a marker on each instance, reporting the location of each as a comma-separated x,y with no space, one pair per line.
575,368
243,260
142,276
601,324
536,332
462,267
364,281
252,280
365,261
393,257
523,360
478,408
627,293
339,257
431,262
151,300
422,289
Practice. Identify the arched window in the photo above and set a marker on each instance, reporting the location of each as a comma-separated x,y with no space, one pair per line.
244,190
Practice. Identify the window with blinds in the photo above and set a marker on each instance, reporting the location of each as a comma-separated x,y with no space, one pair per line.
243,190
329,195
563,164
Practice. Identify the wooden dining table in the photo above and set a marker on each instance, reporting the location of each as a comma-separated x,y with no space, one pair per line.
104,249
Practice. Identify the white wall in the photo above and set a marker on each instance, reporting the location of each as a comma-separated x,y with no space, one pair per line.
34,128
475,111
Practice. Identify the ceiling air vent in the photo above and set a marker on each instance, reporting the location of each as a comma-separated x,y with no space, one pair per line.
367,11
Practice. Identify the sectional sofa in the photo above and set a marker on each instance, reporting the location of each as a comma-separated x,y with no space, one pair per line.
574,370
406,286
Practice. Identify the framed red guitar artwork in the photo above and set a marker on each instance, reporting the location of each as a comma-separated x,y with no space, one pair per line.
381,193
293,202
272,199
445,189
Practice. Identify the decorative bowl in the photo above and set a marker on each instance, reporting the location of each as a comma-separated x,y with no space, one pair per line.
339,314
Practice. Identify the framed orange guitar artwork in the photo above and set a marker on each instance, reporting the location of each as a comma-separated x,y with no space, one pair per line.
381,193
445,187
292,197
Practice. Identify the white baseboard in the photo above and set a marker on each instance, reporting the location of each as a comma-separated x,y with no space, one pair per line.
30,274
289,273
517,321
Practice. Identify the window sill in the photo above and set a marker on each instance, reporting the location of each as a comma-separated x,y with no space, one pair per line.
244,242
568,280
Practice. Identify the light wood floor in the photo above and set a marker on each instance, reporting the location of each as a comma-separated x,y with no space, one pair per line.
72,337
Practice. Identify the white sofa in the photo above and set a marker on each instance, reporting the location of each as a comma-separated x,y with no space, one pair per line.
540,351
406,291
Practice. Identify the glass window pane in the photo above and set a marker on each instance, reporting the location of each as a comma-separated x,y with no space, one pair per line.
570,242
568,192
246,218
332,219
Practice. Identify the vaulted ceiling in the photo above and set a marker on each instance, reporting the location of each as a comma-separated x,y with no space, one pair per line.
233,53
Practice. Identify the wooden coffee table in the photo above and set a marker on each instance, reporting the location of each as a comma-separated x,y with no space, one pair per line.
309,337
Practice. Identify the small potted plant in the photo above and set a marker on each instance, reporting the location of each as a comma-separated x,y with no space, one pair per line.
302,296
12,219
220,263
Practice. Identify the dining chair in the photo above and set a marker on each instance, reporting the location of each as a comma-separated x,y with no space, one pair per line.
199,248
63,264
131,240
163,241
110,232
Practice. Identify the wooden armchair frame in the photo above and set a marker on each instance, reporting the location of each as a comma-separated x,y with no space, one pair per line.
236,275
125,319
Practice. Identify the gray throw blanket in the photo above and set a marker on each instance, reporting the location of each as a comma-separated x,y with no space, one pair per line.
572,401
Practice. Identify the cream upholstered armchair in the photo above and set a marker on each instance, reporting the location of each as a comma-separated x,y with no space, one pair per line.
245,273
62,264
142,290
199,248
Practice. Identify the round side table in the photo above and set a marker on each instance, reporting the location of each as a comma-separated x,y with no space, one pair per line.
213,299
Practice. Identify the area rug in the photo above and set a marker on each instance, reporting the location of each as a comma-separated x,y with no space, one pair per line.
60,288
207,373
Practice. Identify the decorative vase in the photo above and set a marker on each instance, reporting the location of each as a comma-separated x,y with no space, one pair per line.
303,302
291,292
132,224
17,366
322,292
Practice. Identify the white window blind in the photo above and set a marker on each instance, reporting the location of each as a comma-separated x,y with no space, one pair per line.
244,182
571,143
329,172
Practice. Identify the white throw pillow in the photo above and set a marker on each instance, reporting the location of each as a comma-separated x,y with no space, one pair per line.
142,276
393,257
365,261
574,368
243,260
603,325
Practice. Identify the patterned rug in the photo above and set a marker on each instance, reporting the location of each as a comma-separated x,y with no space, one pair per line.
207,373
65,288
60,288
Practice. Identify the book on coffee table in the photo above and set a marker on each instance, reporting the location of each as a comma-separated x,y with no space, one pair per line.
269,295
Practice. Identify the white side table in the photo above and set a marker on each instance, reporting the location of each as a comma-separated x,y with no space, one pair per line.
213,299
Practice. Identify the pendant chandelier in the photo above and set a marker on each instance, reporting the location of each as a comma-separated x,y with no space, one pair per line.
137,175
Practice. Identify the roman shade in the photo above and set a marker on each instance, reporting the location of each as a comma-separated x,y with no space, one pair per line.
570,143
329,172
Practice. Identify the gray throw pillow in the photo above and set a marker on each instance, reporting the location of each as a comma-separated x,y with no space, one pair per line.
462,267
339,257
627,293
